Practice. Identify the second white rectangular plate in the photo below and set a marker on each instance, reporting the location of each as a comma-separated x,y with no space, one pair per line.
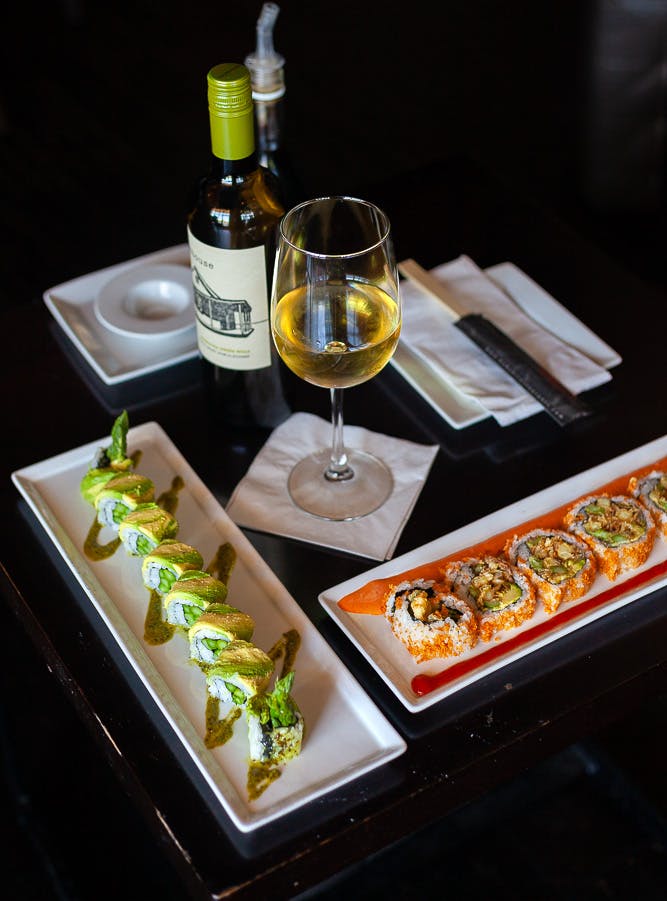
346,735
373,637
460,410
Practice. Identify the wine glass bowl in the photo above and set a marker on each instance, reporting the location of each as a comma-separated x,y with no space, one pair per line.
335,319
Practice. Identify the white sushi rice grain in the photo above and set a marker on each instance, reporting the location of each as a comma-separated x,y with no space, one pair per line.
431,621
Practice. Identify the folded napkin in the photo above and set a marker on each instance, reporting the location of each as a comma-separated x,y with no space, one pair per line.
261,500
428,331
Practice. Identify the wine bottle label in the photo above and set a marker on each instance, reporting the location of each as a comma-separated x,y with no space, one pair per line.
231,305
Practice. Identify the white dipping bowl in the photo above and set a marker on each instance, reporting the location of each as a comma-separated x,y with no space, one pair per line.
148,301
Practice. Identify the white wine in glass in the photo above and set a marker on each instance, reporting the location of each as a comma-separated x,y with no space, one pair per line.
336,320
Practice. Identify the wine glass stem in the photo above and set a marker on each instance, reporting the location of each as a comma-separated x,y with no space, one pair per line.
339,469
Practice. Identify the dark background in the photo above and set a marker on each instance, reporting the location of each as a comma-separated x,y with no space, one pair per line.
104,123
103,131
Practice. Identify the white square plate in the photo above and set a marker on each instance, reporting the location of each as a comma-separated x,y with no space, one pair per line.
346,735
117,358
373,637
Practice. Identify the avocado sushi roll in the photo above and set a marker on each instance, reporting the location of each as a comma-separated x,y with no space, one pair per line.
430,620
144,528
120,495
651,491
94,481
619,530
215,629
190,595
559,565
168,562
108,462
500,594
275,724
240,672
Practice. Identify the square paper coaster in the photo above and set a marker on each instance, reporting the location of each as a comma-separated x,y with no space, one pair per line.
261,500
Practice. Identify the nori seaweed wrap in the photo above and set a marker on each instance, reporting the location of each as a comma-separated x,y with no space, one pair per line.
275,724
652,492
430,620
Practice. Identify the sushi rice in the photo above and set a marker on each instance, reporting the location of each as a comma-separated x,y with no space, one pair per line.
275,724
652,492
500,594
190,595
120,496
240,672
144,528
559,565
430,620
170,560
215,629
619,530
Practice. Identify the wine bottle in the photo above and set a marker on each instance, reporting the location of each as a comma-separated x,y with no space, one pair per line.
232,236
267,77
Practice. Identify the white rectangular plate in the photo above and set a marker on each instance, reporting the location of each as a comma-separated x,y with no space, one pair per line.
346,735
374,638
460,410
116,358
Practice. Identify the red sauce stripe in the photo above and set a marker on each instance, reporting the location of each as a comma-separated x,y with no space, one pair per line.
424,684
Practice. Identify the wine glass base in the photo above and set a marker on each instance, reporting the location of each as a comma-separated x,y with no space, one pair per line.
366,491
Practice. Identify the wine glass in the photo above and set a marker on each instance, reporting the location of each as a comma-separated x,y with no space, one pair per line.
336,320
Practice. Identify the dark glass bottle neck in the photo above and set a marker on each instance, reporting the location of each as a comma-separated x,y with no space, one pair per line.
269,119
223,169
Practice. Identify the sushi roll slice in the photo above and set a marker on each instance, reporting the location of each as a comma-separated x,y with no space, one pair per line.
240,672
94,481
144,528
500,594
120,496
560,566
215,629
430,620
108,462
170,560
275,724
190,595
652,492
619,530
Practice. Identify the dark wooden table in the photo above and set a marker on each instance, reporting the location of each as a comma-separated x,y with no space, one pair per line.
458,749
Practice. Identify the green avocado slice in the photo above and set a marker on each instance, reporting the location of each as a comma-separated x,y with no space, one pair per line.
509,596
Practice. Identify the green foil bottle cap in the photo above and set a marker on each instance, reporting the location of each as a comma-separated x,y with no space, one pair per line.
230,109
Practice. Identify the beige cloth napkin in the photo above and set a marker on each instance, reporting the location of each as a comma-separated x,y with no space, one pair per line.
261,501
428,330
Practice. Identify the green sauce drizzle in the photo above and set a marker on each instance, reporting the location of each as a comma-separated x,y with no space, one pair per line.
222,564
288,644
156,630
168,500
93,549
260,777
218,731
